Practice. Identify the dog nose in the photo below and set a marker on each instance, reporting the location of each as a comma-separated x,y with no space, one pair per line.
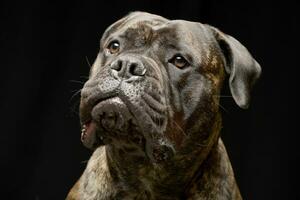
128,67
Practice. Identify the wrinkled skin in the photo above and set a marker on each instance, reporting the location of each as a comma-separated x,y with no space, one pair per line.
154,127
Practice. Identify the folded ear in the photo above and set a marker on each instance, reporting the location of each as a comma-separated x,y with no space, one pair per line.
243,70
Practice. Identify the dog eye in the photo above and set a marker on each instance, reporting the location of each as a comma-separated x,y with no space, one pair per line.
113,47
179,61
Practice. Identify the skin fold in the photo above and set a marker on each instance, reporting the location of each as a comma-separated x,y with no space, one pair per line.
150,111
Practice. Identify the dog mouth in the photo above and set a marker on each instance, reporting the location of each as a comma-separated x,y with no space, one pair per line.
108,120
116,121
88,135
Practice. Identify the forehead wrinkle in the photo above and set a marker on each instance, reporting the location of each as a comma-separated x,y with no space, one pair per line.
140,30
135,24
132,18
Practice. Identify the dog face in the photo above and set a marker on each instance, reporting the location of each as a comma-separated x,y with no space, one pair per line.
155,84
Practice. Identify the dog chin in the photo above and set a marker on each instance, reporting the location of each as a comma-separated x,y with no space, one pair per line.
113,124
110,120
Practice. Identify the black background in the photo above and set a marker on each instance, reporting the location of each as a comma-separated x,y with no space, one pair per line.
44,47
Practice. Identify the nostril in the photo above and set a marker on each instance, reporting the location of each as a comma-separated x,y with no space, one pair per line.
136,69
120,63
117,66
132,69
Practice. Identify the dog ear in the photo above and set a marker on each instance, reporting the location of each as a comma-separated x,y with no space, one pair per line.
243,70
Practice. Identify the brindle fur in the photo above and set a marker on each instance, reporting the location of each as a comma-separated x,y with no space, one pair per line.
193,163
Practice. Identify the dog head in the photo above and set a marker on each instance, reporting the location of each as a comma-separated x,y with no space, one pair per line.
155,84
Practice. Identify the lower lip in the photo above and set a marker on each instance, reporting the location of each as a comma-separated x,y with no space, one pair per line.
87,129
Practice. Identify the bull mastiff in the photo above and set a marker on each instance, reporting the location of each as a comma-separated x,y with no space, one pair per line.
150,111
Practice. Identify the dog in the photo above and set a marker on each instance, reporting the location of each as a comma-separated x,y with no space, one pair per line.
150,111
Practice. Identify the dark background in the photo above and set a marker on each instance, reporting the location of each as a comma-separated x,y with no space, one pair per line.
44,47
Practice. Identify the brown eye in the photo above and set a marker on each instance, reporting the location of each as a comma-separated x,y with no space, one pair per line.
179,61
113,47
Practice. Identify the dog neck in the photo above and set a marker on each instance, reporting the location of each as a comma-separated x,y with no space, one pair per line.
135,177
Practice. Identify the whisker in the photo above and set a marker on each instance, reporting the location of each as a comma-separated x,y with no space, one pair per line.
84,161
74,108
202,145
179,127
76,93
223,108
224,96
85,77
88,62
75,81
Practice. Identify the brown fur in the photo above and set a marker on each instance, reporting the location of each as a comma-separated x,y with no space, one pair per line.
179,155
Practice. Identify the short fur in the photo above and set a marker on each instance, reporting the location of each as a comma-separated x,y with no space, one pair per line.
157,127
